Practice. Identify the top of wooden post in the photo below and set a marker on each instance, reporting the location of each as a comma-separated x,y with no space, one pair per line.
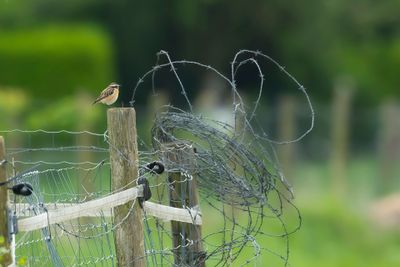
121,109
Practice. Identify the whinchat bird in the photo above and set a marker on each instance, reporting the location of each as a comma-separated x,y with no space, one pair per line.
109,95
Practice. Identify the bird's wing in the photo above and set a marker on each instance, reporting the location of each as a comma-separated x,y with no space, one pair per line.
106,92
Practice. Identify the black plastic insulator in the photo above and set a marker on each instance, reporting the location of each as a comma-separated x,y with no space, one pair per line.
155,167
22,189
146,190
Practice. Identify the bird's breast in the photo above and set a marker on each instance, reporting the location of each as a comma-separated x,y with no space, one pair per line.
109,100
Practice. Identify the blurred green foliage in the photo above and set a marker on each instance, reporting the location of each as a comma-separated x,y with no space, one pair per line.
55,61
14,103
64,114
12,100
375,66
19,110
316,40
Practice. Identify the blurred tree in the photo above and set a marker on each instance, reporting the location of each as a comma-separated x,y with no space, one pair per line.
63,114
55,61
317,40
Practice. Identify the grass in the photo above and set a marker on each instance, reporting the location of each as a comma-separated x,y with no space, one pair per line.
336,230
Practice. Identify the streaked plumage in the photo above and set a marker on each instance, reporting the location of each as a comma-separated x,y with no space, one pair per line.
109,95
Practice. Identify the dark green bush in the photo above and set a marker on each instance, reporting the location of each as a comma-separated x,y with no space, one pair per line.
55,61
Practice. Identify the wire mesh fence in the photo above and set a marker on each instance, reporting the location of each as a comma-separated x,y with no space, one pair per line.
243,199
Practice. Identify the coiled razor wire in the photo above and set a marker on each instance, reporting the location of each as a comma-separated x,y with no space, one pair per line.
232,171
235,165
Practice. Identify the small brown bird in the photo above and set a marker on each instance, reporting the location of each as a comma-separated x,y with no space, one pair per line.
109,95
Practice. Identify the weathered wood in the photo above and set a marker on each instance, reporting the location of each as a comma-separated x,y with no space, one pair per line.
341,108
287,131
6,259
180,160
389,146
129,235
155,104
13,237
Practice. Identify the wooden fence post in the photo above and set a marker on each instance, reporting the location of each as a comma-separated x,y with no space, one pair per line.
389,145
5,259
341,109
287,131
129,235
183,194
